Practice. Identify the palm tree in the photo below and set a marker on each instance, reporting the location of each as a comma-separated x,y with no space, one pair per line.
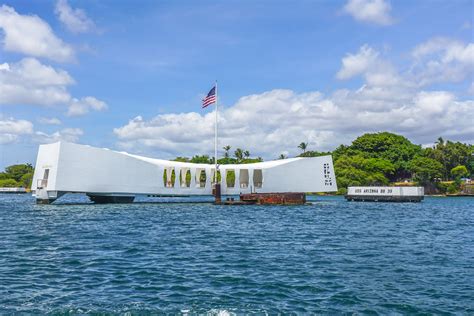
303,146
282,156
226,148
239,154
439,143
247,154
440,147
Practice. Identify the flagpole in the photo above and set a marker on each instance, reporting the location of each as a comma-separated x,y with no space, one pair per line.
215,140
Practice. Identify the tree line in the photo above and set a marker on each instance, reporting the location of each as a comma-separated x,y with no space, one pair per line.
240,156
383,158
19,175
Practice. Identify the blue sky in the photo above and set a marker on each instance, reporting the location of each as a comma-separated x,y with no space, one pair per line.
129,75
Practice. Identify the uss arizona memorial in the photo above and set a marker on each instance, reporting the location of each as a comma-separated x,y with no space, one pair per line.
111,176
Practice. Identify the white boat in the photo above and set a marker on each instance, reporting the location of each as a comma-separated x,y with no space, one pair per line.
111,176
385,194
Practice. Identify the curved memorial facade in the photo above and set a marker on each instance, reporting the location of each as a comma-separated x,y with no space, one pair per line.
113,176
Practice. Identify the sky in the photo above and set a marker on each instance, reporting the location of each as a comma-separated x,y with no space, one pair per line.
130,75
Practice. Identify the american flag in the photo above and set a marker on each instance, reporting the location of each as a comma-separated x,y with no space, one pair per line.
210,98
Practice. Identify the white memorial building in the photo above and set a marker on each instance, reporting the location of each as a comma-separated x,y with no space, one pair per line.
112,176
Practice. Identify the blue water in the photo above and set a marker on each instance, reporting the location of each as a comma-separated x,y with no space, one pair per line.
330,257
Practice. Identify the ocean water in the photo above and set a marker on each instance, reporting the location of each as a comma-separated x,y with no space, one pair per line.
330,257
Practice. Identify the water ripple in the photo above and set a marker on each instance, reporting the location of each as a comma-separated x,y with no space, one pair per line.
331,257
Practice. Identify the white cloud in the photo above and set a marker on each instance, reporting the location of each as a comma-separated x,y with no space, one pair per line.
67,134
436,60
84,105
442,60
277,121
447,50
11,129
433,102
371,11
31,72
29,82
356,64
49,121
30,35
75,20
382,80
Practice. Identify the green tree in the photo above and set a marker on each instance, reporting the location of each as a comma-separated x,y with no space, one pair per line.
310,153
282,156
201,159
247,154
451,154
425,169
442,187
26,179
8,183
379,165
15,172
459,172
341,150
239,154
394,148
181,159
226,150
357,170
252,160
303,146
453,187
226,161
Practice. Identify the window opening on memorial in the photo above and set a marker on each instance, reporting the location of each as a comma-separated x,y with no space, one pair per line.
201,178
257,178
244,178
185,178
230,178
169,176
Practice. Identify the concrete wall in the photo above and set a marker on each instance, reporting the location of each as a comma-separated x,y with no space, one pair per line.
47,158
